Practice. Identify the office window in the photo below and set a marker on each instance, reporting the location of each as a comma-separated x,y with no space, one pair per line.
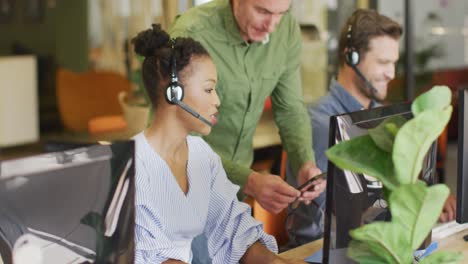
199,2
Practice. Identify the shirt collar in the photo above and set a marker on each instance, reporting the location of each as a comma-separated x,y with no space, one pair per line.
233,34
266,39
230,25
348,102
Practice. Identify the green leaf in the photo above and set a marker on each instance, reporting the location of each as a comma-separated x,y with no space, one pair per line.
413,141
387,240
437,98
361,155
361,253
416,208
392,128
384,134
442,258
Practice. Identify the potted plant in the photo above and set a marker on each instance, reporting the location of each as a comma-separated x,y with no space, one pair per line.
135,105
393,153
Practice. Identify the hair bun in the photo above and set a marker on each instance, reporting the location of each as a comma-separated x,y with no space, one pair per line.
147,42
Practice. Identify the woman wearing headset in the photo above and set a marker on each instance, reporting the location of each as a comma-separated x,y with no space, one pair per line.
181,187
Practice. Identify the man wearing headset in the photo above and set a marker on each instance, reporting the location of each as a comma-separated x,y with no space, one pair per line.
368,52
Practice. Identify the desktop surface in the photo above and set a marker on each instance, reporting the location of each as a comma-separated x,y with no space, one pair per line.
453,243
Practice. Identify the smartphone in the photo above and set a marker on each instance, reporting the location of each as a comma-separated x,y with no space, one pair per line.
309,184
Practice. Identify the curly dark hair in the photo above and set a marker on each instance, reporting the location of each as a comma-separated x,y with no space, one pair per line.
155,45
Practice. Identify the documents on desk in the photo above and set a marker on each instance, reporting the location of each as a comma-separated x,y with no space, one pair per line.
444,230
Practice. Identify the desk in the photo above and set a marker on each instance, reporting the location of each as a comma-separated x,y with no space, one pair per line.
303,251
455,243
452,243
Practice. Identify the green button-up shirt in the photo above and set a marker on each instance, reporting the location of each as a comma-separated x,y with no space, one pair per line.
247,75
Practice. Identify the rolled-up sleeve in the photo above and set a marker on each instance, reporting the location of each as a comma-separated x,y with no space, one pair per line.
230,228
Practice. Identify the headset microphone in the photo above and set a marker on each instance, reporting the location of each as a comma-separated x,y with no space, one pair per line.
175,91
359,73
192,112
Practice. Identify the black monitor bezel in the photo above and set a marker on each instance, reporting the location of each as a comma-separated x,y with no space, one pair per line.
462,167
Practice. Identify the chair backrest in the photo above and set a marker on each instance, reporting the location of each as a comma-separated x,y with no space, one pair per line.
83,96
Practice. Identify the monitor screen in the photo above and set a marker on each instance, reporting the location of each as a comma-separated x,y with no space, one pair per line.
355,199
462,179
73,206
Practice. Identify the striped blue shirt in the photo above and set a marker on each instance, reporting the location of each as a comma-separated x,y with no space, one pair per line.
167,219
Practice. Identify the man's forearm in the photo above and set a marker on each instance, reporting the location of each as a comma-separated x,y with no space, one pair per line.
296,134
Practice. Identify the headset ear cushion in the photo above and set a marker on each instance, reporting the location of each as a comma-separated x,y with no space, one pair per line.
179,92
352,57
174,91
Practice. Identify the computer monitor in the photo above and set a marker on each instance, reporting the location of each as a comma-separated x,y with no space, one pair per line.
462,174
355,199
73,206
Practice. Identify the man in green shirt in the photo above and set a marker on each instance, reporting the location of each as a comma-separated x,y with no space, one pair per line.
255,45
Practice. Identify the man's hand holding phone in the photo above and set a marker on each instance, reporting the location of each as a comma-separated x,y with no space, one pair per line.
311,182
310,188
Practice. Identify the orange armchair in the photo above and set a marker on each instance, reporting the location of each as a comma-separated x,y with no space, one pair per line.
89,101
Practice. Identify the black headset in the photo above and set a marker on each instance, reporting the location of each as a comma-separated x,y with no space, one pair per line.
175,90
351,54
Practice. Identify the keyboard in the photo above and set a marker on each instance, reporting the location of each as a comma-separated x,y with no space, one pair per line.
446,229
